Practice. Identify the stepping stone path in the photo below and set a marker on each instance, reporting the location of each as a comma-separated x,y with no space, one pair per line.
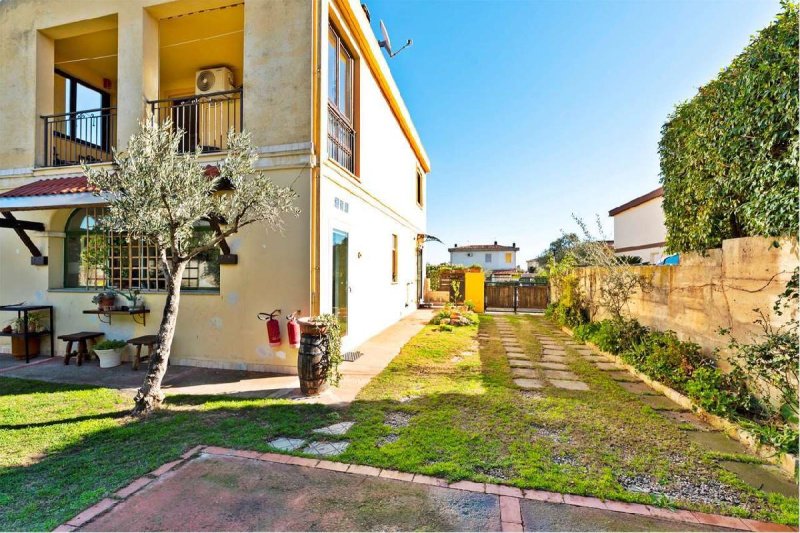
326,448
552,368
336,429
286,445
764,477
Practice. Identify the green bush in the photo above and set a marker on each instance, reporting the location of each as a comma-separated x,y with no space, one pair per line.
729,155
585,332
719,393
110,344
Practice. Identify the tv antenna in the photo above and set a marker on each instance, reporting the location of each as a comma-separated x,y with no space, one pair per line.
387,43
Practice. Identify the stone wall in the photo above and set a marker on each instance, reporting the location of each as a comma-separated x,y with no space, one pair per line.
718,289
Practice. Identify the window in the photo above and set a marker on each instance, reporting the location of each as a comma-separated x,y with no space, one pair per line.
394,258
508,257
340,76
341,283
420,188
97,259
86,121
341,133
488,258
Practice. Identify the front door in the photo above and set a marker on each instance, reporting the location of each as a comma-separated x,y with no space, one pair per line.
340,278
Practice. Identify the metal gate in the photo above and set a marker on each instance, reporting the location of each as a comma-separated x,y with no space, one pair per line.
513,296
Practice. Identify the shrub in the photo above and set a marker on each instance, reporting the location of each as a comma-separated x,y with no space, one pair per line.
720,393
110,344
729,155
585,332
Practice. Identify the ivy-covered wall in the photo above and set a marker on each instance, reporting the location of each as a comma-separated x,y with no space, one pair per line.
729,156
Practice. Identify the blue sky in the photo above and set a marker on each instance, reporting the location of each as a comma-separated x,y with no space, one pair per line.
531,111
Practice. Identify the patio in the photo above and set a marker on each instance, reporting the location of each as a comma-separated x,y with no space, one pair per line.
377,353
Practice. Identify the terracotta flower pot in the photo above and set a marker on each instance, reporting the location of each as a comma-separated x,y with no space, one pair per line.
309,327
18,347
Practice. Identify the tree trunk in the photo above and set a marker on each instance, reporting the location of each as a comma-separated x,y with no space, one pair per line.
150,395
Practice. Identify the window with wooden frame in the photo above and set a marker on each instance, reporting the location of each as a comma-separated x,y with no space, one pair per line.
85,112
94,259
420,189
394,258
341,129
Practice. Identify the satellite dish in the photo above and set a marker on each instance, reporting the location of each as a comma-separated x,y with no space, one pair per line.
387,43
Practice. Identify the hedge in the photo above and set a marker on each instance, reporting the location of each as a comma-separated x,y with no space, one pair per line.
729,156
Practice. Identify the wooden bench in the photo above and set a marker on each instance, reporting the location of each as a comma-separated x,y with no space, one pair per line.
144,340
83,338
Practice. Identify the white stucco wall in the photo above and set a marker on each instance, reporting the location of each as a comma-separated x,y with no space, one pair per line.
641,227
478,257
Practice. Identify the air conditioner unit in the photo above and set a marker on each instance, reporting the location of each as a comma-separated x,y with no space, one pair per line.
215,113
213,80
469,254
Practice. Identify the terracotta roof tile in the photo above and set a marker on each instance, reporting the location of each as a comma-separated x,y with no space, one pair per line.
70,185
484,247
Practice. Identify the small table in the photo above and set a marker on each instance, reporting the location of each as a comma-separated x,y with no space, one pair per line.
134,313
83,338
144,340
23,311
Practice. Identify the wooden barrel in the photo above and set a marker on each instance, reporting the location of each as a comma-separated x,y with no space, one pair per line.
312,364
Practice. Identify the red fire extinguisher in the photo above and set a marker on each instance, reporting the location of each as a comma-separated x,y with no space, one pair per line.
273,327
293,329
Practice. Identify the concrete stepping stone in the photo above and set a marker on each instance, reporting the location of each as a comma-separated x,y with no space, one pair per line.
716,441
326,448
638,387
528,384
560,374
569,384
523,373
683,417
515,350
554,359
605,366
336,429
661,403
552,366
764,477
621,375
594,358
519,363
285,444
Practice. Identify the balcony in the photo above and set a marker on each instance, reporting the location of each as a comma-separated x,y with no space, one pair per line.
204,119
80,137
341,139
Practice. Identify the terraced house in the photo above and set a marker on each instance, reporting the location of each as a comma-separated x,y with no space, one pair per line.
306,78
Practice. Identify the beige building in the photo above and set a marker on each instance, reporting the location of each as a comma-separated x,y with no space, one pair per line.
306,78
639,228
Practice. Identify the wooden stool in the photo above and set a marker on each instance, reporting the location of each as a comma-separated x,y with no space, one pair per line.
144,340
83,338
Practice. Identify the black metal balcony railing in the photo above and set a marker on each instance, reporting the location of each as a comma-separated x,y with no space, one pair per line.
341,139
204,119
79,137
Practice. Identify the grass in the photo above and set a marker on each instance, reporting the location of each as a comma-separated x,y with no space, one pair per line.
64,447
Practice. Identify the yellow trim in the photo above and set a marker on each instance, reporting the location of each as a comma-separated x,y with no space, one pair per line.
315,171
384,79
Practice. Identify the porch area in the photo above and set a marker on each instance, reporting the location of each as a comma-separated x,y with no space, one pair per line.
377,352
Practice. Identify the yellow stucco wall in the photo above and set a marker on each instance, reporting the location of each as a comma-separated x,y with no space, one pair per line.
276,65
473,292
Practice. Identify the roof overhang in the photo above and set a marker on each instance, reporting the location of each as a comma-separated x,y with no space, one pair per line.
51,201
658,193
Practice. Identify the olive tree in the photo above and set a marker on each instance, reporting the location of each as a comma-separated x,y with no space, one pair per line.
158,195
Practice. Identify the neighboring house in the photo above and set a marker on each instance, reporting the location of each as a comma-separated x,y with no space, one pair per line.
307,79
489,256
510,274
532,265
639,228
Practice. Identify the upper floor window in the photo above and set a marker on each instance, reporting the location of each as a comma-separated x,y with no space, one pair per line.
96,259
420,189
394,258
340,75
488,258
341,131
85,106
508,257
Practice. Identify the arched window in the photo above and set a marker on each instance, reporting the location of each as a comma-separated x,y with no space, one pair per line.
97,259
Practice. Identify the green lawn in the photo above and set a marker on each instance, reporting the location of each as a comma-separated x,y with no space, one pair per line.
64,447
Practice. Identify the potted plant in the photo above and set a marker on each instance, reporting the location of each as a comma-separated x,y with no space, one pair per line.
105,300
133,297
35,325
320,353
109,352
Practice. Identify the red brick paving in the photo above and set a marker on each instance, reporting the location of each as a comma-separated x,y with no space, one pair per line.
509,497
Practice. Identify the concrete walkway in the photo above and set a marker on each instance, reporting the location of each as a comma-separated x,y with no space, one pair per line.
216,489
377,353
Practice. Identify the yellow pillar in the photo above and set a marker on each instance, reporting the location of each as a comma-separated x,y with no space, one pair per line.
473,290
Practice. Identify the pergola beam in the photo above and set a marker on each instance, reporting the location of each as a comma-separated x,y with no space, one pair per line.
19,226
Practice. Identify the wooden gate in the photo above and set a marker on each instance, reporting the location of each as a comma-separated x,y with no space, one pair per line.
513,296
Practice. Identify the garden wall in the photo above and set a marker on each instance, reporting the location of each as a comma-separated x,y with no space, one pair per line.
718,289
